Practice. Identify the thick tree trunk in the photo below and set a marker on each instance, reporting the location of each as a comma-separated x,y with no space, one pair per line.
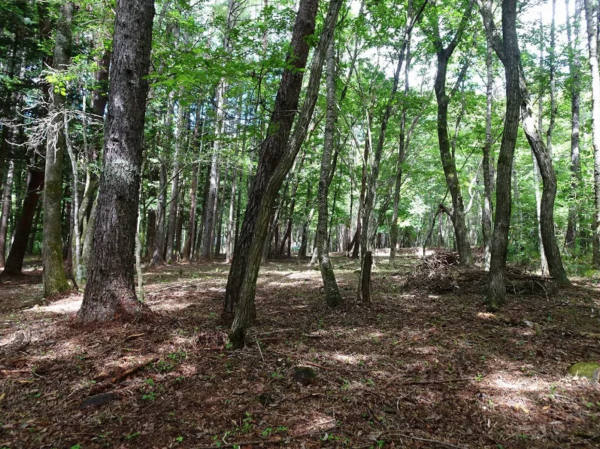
332,291
308,213
110,291
14,261
575,75
277,154
592,33
6,203
34,229
55,280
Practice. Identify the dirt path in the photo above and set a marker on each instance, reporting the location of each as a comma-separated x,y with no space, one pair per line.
415,369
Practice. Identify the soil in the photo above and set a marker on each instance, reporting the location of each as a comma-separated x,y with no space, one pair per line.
414,369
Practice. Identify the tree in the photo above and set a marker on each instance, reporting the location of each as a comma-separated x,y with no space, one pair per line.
332,291
443,56
55,280
278,152
110,291
592,33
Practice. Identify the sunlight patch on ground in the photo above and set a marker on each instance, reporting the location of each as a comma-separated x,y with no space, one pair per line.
350,359
317,422
171,305
486,316
70,304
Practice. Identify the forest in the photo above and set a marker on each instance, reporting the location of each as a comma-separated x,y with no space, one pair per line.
299,223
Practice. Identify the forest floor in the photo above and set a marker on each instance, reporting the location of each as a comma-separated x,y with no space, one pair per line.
414,369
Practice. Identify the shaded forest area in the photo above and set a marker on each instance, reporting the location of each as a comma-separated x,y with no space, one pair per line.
299,223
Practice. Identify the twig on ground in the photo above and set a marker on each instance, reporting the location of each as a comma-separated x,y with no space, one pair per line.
242,443
132,370
427,440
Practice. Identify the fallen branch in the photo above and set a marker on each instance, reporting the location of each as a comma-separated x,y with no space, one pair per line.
243,443
427,440
132,370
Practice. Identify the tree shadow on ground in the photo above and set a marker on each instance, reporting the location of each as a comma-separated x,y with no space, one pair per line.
413,369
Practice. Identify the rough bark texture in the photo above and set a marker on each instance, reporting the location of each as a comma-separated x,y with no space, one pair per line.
277,154
508,52
14,261
332,291
55,280
592,33
6,201
110,291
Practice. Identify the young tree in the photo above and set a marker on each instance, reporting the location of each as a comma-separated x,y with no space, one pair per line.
110,291
332,291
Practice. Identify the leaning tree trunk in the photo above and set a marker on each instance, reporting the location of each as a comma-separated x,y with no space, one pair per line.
14,261
6,200
55,280
592,33
276,158
332,291
574,74
110,291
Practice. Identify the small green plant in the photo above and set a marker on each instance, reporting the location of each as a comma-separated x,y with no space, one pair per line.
132,436
479,377
179,439
151,396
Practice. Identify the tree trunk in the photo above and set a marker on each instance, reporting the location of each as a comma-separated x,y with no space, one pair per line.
206,251
110,291
592,33
332,291
150,232
159,239
401,158
14,261
6,203
508,52
55,280
448,159
488,177
172,222
575,75
277,154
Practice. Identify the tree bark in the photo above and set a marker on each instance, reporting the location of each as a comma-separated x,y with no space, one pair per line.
488,177
6,203
14,261
172,222
448,159
277,154
110,291
332,291
508,52
575,75
55,280
592,33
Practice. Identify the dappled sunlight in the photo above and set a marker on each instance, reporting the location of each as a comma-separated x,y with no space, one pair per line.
70,304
